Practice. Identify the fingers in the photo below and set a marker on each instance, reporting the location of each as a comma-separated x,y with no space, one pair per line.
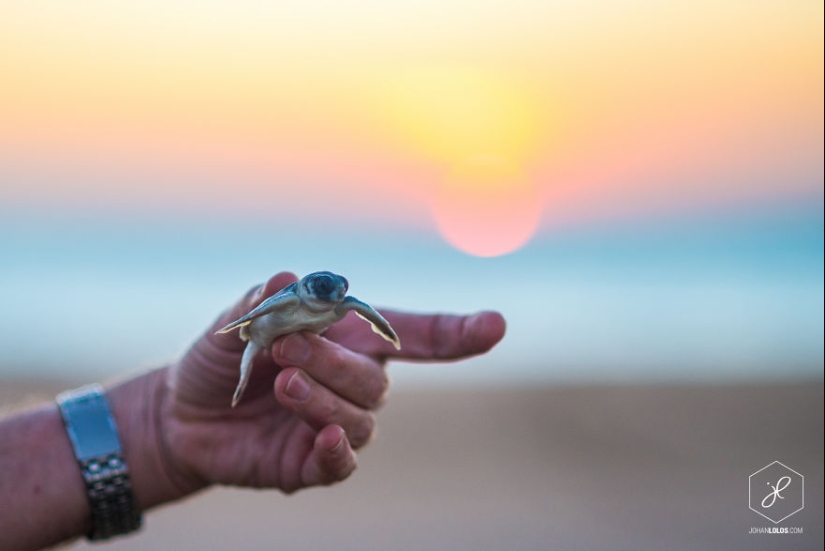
331,460
325,383
424,337
447,337
353,376
318,406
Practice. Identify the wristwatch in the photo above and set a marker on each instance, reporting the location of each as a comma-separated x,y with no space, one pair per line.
94,437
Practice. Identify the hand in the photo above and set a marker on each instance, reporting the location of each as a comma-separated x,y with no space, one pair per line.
325,391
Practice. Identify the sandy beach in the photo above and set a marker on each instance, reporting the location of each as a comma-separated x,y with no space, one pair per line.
619,468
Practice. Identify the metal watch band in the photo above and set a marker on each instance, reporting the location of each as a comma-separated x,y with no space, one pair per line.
94,437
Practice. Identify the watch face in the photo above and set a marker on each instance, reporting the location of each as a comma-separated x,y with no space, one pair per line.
94,433
89,423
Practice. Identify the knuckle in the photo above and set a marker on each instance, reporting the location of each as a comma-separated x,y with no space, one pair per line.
337,474
440,335
347,471
376,388
326,357
338,469
326,410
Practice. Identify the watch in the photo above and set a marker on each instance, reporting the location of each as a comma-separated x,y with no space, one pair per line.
94,437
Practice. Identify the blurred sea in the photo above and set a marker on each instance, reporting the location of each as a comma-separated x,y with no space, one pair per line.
712,298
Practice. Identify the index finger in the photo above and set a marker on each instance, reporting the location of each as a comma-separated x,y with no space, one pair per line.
423,336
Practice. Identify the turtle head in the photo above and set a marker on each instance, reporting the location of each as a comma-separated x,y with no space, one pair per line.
323,289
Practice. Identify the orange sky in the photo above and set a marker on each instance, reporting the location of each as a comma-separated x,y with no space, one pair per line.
599,108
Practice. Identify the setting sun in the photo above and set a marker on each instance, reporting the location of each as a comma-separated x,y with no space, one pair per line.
482,127
486,206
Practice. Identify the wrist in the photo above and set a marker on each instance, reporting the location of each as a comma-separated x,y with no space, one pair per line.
143,414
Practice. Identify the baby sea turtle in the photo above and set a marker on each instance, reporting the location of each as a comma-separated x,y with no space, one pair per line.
311,304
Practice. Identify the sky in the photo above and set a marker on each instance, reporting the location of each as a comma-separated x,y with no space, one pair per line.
637,186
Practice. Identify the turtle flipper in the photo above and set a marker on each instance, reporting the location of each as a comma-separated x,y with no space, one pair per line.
285,298
368,313
246,370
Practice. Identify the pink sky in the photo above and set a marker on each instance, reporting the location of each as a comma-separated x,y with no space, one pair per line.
603,110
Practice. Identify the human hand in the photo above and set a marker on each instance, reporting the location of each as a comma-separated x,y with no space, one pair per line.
325,391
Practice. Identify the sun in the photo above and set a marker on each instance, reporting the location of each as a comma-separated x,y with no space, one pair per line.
486,207
482,128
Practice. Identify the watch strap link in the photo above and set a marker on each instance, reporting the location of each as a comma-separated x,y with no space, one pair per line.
109,489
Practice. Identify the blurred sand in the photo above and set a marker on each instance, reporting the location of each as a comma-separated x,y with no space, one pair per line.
636,467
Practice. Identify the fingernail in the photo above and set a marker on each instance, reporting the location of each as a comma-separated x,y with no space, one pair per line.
297,387
295,349
338,448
